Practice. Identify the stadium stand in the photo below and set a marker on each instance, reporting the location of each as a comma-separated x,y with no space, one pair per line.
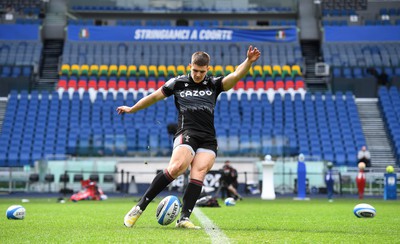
389,100
351,60
187,6
151,76
120,53
19,53
25,12
319,126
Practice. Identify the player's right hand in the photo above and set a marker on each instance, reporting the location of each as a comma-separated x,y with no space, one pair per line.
253,54
123,109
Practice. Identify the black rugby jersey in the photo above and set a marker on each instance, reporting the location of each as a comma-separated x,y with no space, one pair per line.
195,102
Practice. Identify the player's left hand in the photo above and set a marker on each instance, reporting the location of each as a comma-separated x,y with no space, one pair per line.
253,54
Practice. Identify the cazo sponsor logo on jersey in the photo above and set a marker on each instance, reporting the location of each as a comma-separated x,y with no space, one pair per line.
195,93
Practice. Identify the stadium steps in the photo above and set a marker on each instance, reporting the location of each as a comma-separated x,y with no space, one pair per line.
56,13
52,51
56,20
311,54
3,107
378,141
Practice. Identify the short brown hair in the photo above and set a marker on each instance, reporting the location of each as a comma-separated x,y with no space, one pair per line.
201,58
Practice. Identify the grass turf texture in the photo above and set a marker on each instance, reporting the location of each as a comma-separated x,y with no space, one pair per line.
250,221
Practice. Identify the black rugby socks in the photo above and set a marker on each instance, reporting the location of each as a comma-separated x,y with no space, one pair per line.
190,197
159,183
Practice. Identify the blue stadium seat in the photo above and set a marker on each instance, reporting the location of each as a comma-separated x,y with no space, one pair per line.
13,157
120,145
6,71
109,144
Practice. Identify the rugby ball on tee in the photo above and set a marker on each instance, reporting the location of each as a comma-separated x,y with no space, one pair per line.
168,209
364,210
230,201
15,212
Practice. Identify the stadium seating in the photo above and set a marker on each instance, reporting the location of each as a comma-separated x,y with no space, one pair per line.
351,60
104,83
20,53
290,22
389,101
322,126
150,77
188,7
27,8
155,53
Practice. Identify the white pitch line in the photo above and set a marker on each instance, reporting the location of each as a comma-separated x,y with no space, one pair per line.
217,235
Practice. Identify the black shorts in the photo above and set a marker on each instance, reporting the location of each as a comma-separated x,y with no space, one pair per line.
196,142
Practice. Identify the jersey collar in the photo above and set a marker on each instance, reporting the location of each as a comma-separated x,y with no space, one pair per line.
191,79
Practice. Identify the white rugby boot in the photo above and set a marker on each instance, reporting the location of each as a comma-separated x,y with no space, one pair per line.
132,216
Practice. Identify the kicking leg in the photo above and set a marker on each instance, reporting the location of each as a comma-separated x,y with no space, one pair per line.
180,160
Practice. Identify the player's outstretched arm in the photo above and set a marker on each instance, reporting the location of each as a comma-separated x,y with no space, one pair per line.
230,80
142,103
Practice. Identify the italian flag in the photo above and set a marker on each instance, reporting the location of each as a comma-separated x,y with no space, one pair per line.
84,33
280,35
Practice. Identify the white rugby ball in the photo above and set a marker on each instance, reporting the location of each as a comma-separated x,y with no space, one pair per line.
364,210
168,209
15,212
230,201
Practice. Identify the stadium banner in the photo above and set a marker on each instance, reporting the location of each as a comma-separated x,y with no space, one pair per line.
171,34
210,180
20,32
361,33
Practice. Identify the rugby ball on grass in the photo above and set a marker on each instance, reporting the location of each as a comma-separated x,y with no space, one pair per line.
230,201
168,209
15,212
364,210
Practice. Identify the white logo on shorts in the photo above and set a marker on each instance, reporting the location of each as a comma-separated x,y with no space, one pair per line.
187,138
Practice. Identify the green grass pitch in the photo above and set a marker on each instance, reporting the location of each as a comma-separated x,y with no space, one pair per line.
250,221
